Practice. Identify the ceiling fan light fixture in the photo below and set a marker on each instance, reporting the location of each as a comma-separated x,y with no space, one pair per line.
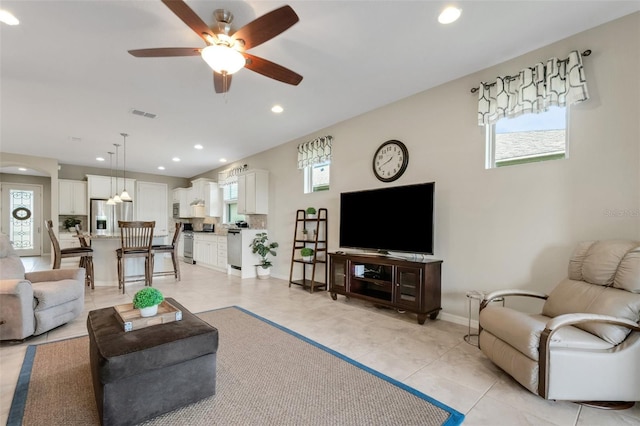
223,59
449,15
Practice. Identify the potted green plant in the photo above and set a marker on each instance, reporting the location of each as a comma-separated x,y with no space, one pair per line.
311,212
307,254
263,248
305,234
70,223
147,300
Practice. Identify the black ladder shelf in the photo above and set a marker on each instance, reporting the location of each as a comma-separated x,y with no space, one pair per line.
310,233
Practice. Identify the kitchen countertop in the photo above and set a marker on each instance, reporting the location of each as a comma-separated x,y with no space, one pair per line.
117,236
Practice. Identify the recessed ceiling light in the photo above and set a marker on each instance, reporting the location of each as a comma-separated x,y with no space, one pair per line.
176,159
198,146
22,169
277,109
160,167
8,18
99,159
223,160
449,15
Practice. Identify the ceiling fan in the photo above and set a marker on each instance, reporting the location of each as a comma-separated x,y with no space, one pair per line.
226,52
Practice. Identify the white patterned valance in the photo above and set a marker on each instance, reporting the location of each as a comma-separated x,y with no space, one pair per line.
560,82
314,152
229,176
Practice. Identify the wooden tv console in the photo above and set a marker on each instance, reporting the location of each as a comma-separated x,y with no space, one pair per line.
401,284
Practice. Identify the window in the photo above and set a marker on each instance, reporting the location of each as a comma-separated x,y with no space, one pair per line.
230,199
316,177
528,138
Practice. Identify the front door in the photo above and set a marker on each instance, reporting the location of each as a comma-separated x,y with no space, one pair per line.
21,217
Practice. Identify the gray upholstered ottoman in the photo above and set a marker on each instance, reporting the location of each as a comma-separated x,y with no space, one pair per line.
141,374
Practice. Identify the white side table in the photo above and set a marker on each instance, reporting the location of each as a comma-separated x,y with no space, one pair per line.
471,296
478,296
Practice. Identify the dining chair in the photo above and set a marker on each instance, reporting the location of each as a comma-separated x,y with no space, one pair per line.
173,250
85,253
136,239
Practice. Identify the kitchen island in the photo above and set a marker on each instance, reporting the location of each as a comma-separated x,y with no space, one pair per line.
105,261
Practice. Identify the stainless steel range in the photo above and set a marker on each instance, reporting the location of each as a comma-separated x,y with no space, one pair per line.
187,232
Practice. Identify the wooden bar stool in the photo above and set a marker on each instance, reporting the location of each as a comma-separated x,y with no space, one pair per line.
136,239
85,253
170,248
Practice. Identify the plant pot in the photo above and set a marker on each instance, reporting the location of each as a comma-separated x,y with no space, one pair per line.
149,311
311,216
263,273
307,258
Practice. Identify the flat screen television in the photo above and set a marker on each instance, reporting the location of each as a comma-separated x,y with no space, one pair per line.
398,218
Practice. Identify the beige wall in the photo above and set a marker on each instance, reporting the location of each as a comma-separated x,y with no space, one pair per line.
513,227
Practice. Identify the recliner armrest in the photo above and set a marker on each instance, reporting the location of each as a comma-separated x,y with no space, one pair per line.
570,319
56,275
498,294
16,287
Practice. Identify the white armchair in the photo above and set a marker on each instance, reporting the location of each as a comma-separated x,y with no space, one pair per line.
35,302
585,344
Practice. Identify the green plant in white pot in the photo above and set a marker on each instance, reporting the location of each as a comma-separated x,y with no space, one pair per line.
147,300
307,254
263,248
311,213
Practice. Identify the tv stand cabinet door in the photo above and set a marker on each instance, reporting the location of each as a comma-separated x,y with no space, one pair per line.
338,275
408,288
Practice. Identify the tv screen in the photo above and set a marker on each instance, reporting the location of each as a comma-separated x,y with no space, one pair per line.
399,218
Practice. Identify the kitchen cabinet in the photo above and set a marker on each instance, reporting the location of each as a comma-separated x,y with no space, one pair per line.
222,252
199,187
151,205
183,197
104,187
72,197
253,192
207,193
207,250
213,200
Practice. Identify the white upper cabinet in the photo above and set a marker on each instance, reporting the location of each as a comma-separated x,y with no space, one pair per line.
72,197
213,200
253,192
206,192
152,205
104,187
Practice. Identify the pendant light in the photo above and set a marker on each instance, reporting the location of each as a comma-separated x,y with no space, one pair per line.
125,195
110,201
116,197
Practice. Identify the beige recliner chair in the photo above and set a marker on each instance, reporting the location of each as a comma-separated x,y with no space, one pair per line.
585,345
35,302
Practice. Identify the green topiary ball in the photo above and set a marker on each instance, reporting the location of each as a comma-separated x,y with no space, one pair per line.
147,297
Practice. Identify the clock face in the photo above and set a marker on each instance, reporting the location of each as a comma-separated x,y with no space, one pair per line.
390,161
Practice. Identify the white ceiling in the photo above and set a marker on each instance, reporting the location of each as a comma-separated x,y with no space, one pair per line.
68,83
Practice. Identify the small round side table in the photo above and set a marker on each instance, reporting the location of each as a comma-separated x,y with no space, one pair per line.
471,296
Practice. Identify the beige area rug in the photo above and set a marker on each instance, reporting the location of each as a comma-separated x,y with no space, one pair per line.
266,375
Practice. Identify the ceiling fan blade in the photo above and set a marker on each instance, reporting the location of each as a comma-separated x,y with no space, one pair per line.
162,52
222,83
271,70
189,17
266,27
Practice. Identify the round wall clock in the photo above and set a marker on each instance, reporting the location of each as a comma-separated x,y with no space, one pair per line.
390,161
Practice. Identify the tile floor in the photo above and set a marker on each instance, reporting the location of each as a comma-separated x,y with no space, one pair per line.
432,358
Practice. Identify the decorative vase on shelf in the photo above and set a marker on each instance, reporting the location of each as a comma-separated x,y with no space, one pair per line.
149,311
